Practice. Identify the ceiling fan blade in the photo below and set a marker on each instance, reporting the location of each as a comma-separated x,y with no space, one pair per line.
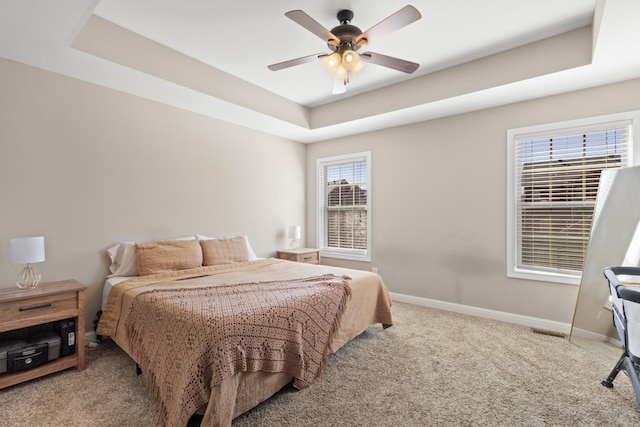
297,61
312,25
390,62
338,86
391,23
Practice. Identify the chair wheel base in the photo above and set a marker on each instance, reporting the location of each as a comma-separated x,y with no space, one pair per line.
607,384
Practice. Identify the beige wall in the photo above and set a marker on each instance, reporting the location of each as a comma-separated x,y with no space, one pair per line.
88,167
439,202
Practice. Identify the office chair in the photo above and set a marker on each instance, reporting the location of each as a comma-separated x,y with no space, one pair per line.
625,306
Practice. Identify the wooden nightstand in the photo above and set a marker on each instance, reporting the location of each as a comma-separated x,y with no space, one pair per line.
25,310
309,256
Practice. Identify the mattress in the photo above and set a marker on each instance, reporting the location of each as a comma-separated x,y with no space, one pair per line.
108,285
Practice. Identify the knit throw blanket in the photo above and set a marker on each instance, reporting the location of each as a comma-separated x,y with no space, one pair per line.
188,340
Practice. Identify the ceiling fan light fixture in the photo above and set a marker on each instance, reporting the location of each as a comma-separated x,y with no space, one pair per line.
332,62
350,59
344,39
341,73
359,66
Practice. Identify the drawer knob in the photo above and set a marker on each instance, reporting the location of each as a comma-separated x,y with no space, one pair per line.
35,307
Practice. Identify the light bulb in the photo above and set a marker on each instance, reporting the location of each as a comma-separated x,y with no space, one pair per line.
350,59
358,67
332,62
340,73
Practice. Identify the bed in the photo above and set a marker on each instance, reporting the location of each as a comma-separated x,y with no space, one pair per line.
282,319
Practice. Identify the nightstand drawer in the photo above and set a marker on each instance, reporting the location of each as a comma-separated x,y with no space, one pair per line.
15,311
309,256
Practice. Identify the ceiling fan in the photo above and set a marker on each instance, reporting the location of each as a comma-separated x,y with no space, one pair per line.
344,41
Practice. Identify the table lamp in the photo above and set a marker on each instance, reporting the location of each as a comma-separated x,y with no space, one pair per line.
294,234
27,250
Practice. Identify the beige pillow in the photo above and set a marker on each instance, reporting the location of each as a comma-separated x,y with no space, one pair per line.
224,251
124,260
168,255
252,254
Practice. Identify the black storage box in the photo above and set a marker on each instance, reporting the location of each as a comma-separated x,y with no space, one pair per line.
27,356
67,331
53,342
6,346
20,354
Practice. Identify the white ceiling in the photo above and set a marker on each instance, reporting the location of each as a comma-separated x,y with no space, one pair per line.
242,37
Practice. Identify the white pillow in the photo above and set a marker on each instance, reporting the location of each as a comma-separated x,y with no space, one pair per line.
252,254
124,261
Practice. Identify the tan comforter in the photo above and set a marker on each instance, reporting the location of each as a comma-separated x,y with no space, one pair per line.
244,389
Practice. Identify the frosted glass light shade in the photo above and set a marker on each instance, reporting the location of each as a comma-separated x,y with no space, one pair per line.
359,66
350,59
332,62
340,63
341,73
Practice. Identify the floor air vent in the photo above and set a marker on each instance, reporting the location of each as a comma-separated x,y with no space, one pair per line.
546,332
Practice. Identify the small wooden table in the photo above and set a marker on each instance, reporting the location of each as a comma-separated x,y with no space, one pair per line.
41,306
306,255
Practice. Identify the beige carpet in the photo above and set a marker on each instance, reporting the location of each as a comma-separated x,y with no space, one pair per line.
432,368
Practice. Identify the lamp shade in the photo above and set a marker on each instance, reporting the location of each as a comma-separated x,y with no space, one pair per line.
294,232
350,59
27,250
332,62
341,72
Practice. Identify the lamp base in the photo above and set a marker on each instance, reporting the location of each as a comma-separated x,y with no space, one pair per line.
28,278
294,244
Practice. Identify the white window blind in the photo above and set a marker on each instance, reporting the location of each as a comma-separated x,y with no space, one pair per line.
556,173
344,214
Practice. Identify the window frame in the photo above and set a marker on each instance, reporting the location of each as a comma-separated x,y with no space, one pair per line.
586,125
363,255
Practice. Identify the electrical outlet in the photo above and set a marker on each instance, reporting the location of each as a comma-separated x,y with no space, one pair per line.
374,270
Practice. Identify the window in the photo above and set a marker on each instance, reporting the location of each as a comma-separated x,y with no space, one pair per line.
553,177
344,217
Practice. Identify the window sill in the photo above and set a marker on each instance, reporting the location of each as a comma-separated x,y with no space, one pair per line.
345,256
563,279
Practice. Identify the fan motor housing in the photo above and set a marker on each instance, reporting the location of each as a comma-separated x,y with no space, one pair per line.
345,32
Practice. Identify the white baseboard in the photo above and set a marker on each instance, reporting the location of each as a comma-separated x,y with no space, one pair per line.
533,322
90,337
581,333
